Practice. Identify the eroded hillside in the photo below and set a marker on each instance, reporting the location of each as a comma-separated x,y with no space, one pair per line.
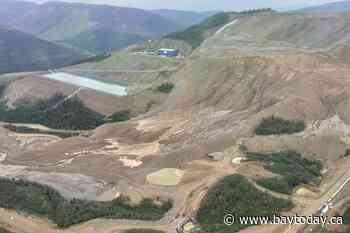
266,34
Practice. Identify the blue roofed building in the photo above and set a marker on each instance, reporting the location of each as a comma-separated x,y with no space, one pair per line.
168,52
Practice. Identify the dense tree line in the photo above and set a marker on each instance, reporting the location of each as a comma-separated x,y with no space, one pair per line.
36,199
256,11
276,125
72,114
56,113
293,168
235,195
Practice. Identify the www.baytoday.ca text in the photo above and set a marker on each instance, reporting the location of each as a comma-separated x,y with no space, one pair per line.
231,219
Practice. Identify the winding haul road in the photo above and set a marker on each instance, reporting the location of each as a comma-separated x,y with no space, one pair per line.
226,26
326,198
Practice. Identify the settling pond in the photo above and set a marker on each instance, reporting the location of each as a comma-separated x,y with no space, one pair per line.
113,89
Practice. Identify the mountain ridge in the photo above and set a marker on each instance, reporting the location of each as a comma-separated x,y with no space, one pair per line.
341,6
62,22
185,18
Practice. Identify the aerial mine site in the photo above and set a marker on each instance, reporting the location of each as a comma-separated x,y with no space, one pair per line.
125,119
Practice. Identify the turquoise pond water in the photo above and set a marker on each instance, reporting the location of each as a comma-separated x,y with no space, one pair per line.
113,89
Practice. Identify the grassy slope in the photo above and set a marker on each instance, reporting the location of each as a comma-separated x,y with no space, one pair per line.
23,52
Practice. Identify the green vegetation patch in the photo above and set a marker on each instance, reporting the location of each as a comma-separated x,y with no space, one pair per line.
276,125
166,87
142,231
2,230
277,184
292,166
55,113
234,194
120,116
346,217
36,199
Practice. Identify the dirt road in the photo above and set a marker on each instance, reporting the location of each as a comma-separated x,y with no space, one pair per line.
120,71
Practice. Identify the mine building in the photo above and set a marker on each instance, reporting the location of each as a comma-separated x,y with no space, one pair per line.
168,52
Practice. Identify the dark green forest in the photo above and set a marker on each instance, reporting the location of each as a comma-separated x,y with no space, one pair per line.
55,113
40,200
277,125
235,195
58,112
293,168
166,87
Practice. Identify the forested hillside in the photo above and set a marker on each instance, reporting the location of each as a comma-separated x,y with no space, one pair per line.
23,52
80,25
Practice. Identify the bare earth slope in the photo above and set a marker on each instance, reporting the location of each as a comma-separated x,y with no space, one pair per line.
282,33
